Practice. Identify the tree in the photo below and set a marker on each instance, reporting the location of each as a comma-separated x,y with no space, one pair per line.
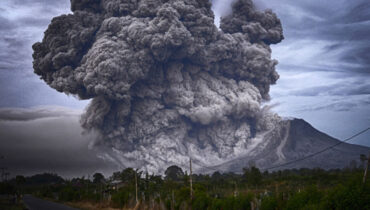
20,180
253,175
128,175
45,178
174,173
216,176
98,178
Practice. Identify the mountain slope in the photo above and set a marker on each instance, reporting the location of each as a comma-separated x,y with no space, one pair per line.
292,140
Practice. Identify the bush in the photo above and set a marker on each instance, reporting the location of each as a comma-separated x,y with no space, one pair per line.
300,200
240,202
268,203
6,188
123,196
243,201
350,196
201,201
69,194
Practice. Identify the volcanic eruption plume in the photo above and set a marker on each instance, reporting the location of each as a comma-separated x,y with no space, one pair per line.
165,82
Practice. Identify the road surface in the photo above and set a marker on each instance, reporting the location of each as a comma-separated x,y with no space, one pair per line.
33,203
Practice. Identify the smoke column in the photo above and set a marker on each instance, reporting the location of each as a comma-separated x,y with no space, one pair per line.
165,82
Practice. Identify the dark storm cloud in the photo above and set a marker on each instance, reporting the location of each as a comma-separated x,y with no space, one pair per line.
341,28
5,24
21,24
358,13
47,140
359,89
291,67
344,25
338,89
19,114
45,3
366,101
339,106
328,42
20,20
39,139
359,56
47,7
329,29
313,91
18,24
34,22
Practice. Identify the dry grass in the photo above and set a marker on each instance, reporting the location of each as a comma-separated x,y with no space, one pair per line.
91,206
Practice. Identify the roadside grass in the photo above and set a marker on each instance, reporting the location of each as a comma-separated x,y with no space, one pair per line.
8,204
84,205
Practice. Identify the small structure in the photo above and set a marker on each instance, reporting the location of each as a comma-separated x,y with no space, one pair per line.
116,184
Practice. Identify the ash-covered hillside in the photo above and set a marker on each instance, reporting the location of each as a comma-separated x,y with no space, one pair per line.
299,140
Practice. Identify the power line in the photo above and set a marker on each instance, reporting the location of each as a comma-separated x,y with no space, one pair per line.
319,152
207,167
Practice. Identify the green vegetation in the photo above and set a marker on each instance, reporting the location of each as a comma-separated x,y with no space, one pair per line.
288,189
9,199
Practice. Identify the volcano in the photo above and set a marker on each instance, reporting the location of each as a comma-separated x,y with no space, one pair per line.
292,140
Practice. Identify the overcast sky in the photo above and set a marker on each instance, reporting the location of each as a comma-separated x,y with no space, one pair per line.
324,64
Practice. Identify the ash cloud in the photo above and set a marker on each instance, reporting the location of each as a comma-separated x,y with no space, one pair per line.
164,81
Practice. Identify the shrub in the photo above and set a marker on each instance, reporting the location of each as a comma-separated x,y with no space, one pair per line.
353,195
269,203
122,197
300,200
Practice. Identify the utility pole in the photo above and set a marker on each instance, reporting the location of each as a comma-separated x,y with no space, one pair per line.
88,180
173,201
3,173
136,187
367,166
6,176
191,181
2,170
235,189
277,190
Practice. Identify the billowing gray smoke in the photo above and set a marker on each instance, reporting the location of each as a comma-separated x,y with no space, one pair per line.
164,81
